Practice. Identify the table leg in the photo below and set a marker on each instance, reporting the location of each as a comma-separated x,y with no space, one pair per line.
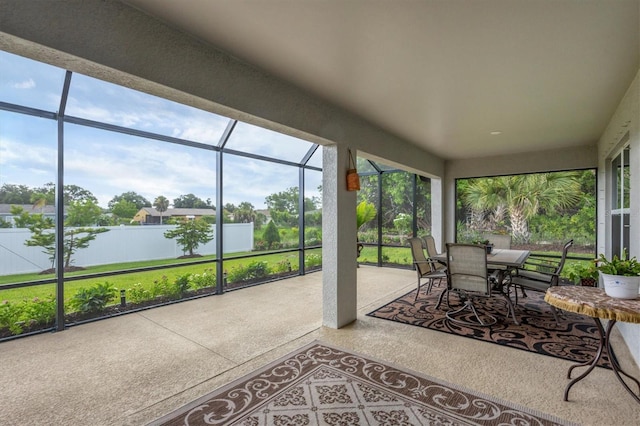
603,343
616,366
504,291
592,364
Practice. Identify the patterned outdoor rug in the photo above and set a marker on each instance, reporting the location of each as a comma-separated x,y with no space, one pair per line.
322,385
574,338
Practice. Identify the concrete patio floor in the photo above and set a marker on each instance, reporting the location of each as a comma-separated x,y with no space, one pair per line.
135,368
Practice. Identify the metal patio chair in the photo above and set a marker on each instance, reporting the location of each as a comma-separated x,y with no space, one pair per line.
425,268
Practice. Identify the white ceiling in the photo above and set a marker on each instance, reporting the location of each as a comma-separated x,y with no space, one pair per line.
442,74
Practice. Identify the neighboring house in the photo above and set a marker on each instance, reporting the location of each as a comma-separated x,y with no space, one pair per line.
151,216
47,211
266,213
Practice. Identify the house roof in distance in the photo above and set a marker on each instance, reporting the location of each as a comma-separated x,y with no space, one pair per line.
180,212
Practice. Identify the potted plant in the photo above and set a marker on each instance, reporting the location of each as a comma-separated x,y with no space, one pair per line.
584,274
620,275
487,245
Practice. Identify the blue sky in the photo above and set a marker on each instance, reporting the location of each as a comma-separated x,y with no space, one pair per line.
108,163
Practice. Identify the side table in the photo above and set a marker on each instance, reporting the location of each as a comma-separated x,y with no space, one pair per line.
595,303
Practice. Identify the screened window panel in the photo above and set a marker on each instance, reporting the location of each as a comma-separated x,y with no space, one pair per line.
28,155
364,166
252,181
98,100
397,207
30,83
110,163
256,140
313,208
316,158
423,206
368,231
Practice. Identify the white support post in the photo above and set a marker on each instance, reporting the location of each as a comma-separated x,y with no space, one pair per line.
339,236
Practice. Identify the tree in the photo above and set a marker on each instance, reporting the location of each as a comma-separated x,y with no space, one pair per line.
190,201
283,206
124,209
133,197
15,194
364,213
83,213
271,236
78,233
523,196
161,203
22,194
23,219
397,197
190,233
244,213
76,193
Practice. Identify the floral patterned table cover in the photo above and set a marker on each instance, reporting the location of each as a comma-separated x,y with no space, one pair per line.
593,302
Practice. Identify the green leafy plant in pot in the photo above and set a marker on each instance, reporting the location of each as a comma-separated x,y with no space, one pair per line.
620,275
487,245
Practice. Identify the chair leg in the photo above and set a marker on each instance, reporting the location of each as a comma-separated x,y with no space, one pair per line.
418,291
431,281
468,304
554,311
510,308
446,290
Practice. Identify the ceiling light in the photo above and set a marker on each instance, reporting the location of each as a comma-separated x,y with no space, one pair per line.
496,132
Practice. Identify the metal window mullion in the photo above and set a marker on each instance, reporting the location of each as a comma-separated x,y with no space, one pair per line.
6,106
309,154
59,207
379,218
219,222
414,208
301,225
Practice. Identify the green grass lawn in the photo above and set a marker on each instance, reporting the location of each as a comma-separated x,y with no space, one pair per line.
391,255
126,281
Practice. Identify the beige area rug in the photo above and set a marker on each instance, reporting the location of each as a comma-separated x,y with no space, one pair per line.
322,385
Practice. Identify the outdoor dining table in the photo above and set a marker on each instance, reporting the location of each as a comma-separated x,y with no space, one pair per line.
498,258
500,261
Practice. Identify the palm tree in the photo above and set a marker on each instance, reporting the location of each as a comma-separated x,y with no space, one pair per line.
522,196
161,203
244,213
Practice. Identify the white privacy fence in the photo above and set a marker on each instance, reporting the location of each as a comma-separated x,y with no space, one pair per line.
120,244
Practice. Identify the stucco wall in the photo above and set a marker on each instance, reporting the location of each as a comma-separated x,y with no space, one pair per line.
625,120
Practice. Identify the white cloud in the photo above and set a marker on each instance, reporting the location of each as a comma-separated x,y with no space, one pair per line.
25,84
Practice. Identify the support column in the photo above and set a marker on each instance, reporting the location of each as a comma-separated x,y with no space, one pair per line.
437,214
339,234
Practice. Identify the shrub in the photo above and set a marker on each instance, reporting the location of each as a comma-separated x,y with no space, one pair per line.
253,270
31,313
40,311
312,260
282,266
271,235
313,237
181,284
161,287
259,245
10,317
137,293
206,279
93,299
258,269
